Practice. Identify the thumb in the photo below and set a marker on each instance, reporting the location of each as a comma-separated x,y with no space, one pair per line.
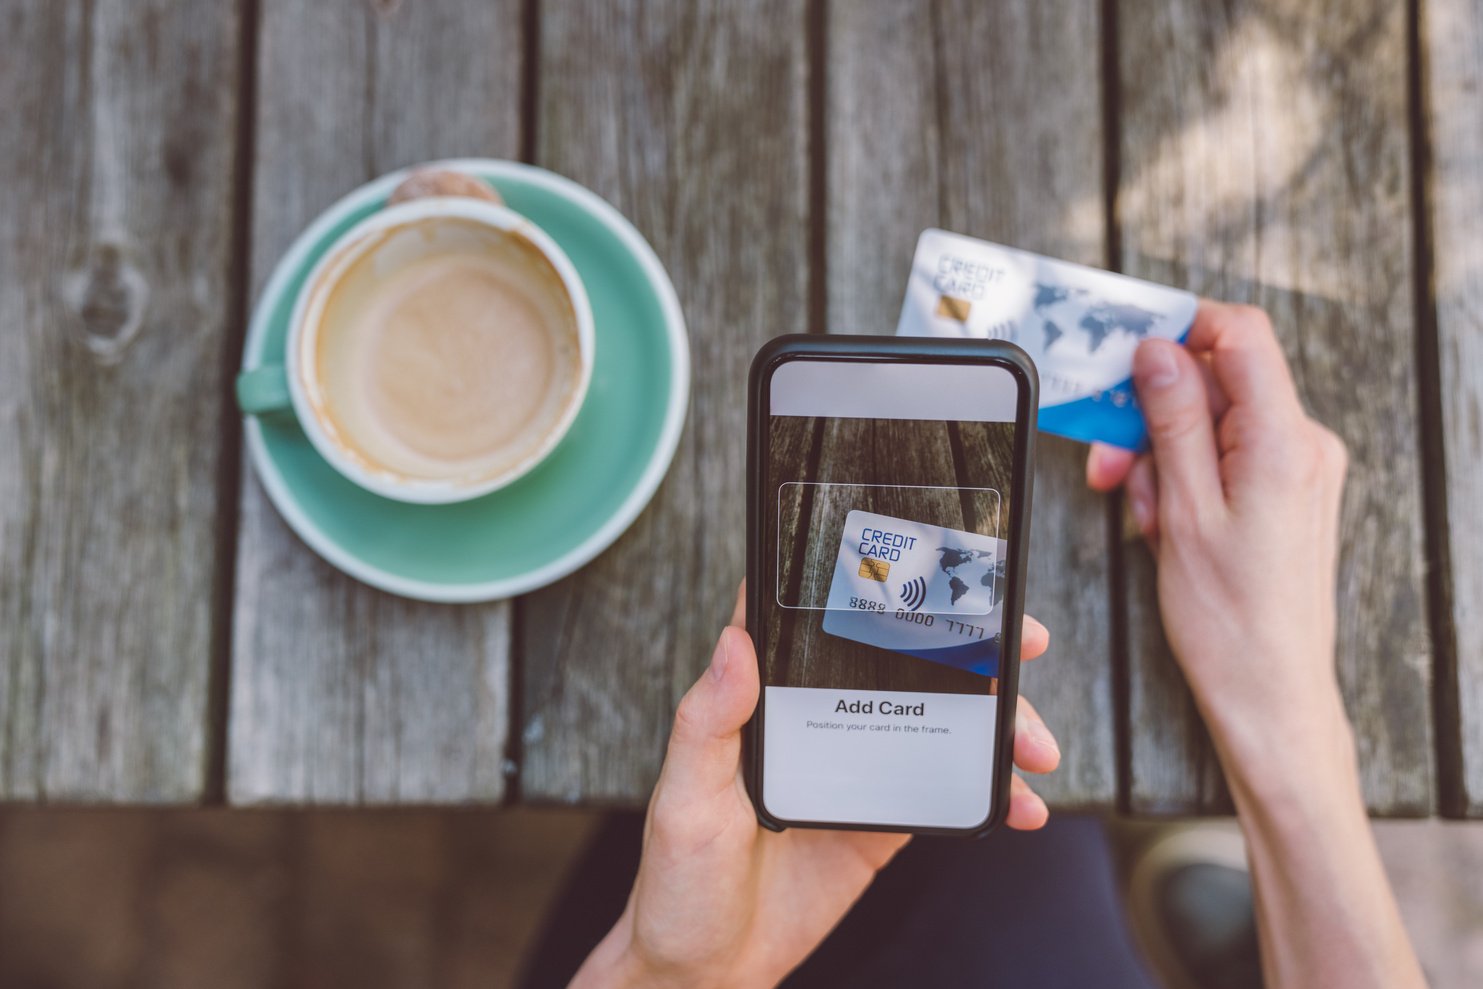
1172,393
705,743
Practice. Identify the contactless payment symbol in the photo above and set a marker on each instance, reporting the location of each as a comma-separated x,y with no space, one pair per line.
914,594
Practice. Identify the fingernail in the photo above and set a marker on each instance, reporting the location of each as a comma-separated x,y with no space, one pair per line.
1155,366
719,659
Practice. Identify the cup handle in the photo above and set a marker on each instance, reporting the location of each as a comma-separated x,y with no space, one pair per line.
263,389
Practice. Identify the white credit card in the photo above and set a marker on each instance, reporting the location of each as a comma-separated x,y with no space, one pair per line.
922,590
1080,325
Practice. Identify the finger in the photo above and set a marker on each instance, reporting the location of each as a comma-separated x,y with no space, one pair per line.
705,742
1034,639
1107,466
1027,812
1143,496
1219,401
1245,356
1172,394
739,610
1035,748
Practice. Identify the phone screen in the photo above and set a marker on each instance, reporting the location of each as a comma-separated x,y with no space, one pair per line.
884,533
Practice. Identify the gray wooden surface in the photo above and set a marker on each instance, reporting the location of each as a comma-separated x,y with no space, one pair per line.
1266,158
691,120
1454,44
116,237
341,693
163,636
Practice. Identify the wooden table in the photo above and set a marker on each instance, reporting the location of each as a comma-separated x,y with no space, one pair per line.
165,639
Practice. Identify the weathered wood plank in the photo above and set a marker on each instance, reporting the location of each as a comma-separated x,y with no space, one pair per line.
691,120
117,147
232,900
1453,58
986,119
1264,158
341,693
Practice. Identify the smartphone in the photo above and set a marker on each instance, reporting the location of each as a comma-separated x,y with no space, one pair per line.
887,515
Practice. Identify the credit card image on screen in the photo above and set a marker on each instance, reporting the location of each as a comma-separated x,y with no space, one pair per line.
888,504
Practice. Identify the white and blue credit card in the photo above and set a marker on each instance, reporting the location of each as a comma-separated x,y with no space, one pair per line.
1080,325
918,589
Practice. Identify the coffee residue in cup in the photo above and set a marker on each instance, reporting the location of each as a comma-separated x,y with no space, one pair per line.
447,351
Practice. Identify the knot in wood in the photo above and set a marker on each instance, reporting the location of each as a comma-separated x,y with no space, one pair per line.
106,298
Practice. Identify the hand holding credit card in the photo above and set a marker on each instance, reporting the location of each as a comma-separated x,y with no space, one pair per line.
1079,325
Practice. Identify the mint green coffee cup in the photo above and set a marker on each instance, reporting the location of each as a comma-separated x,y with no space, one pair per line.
371,255
565,510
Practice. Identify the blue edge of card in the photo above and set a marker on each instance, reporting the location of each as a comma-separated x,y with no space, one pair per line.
980,658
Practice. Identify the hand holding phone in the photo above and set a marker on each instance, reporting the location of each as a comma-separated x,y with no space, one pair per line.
719,900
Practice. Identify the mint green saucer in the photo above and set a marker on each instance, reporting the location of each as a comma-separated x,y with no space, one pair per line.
569,508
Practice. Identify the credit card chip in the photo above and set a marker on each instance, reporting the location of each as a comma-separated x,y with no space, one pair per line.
952,307
873,569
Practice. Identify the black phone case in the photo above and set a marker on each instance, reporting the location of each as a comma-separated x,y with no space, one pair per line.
929,350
